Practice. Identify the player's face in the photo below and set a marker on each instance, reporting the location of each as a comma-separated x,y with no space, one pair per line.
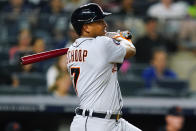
97,28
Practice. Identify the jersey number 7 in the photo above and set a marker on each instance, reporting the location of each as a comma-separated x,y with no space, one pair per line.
75,72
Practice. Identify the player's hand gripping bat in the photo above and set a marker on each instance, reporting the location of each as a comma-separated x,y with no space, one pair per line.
124,34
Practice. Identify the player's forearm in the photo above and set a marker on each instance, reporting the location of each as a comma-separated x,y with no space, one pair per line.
130,52
125,42
130,48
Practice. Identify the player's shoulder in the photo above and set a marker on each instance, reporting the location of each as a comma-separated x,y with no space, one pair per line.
82,42
105,39
70,47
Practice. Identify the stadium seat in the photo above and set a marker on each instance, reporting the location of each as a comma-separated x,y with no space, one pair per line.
32,79
9,68
137,69
131,87
21,90
4,56
157,92
176,86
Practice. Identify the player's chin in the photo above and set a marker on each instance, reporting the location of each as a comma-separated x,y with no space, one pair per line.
101,34
104,32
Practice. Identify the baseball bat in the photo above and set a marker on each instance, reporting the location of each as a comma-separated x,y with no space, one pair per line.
42,56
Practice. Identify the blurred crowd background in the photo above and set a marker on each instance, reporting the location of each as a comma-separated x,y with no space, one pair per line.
164,33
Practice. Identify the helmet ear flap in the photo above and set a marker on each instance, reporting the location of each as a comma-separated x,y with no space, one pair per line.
78,28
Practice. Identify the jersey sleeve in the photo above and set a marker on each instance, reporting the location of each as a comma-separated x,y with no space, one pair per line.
114,52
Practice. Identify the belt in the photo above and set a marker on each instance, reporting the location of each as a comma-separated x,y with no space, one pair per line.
99,115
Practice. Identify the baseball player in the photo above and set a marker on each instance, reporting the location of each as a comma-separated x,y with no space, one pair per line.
92,62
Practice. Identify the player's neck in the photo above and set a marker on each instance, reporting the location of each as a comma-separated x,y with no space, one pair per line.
87,35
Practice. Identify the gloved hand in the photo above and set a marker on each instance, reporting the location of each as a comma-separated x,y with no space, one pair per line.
124,34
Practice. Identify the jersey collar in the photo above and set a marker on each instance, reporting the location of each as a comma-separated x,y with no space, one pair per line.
79,41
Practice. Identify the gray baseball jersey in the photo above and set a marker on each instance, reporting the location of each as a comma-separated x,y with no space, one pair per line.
91,63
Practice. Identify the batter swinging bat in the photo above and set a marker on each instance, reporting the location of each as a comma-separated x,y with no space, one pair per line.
58,52
42,56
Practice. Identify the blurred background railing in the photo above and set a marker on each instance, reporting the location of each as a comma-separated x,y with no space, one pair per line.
164,68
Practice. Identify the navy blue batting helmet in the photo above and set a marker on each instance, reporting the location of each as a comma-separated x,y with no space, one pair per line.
87,13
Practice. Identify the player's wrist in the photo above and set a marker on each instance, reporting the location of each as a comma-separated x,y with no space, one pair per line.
125,42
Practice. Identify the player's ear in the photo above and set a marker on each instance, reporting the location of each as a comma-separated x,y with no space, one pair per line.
86,28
